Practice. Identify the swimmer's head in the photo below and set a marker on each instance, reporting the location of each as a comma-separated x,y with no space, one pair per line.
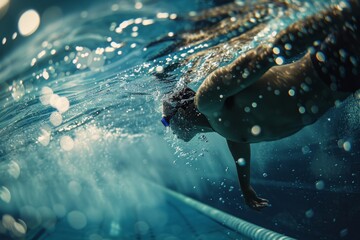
175,101
181,114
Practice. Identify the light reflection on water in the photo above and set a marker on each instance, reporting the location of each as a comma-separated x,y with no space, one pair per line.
80,125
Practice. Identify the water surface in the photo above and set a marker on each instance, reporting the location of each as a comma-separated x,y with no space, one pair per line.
81,141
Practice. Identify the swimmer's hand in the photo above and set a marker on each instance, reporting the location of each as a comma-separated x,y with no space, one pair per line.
253,201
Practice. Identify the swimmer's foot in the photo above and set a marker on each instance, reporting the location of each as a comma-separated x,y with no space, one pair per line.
253,201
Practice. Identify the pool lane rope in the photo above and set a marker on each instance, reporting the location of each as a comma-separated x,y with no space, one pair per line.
247,229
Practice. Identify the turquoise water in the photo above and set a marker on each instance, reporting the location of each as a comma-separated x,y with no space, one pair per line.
81,141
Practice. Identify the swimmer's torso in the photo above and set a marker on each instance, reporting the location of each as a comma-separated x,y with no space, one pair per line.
275,106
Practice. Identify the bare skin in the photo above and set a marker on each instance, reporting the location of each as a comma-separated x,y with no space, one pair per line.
254,100
284,100
281,102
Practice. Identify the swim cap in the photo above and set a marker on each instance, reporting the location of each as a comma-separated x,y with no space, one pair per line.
174,101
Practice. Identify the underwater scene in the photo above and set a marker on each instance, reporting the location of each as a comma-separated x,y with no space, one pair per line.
86,88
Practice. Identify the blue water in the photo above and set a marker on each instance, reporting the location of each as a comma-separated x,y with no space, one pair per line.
81,140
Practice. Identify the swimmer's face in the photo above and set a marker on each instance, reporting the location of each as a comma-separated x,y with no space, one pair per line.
186,121
183,126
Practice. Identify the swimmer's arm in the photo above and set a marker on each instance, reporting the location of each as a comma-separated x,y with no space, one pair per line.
250,66
241,151
231,79
238,151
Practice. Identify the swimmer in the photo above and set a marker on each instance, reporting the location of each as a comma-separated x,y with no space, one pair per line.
257,98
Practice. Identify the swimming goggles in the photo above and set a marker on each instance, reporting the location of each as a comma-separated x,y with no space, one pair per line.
166,121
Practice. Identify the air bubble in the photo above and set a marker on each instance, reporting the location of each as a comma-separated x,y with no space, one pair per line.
256,130
347,146
8,221
241,162
320,185
301,110
314,109
77,220
55,119
147,22
67,143
309,213
291,92
19,228
59,210
305,150
138,5
276,50
159,69
162,15
28,23
5,194
320,57
279,60
45,75
62,104
44,138
288,46
75,187
14,169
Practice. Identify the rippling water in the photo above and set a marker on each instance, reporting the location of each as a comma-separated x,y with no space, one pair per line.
81,138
